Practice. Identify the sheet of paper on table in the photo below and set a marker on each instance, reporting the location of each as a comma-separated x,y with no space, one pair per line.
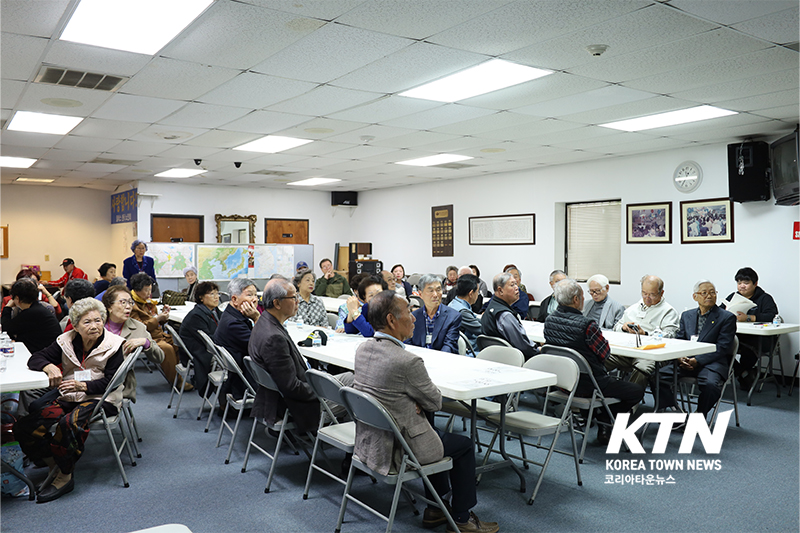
476,383
739,304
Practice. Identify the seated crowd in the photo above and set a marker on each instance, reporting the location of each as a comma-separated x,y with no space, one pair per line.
99,335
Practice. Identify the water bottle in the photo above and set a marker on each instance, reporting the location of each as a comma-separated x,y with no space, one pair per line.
316,340
6,345
776,321
299,321
658,335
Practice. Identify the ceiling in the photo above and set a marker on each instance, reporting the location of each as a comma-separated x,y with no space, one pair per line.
331,71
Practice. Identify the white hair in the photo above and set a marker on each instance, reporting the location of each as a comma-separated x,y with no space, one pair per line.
566,290
238,285
428,279
555,273
697,285
83,306
599,279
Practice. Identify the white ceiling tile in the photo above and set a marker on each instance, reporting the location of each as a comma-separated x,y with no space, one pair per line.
137,108
237,35
522,23
24,138
325,100
222,139
716,72
556,85
362,151
423,20
103,168
732,134
107,129
762,84
316,162
10,92
790,113
528,129
25,151
655,24
95,59
32,18
190,152
20,55
386,109
588,101
686,131
591,138
762,101
460,145
187,81
322,128
320,9
710,46
412,66
318,148
75,142
59,166
264,122
439,116
91,100
781,27
255,91
353,48
72,155
168,134
657,104
490,122
731,11
418,138
136,149
204,115
377,131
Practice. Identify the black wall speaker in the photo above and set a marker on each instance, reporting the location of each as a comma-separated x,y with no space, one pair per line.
344,198
748,172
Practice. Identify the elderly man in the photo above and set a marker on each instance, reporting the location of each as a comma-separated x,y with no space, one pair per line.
451,295
234,328
764,310
330,283
398,379
437,325
645,316
707,323
467,293
70,272
499,318
549,304
602,309
521,306
568,327
273,349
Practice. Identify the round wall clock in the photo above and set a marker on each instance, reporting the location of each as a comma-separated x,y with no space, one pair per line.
687,177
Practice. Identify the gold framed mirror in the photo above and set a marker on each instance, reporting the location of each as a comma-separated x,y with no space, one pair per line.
236,229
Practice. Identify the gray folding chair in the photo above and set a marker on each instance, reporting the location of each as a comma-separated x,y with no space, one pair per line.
484,341
263,378
464,346
416,301
240,404
596,401
332,319
367,410
688,384
528,423
216,377
182,371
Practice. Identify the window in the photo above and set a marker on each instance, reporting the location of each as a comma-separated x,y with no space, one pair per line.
594,240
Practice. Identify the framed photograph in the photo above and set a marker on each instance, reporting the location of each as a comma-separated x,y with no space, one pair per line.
4,244
503,229
707,221
649,223
226,238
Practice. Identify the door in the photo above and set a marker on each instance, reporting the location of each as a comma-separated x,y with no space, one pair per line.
166,228
286,231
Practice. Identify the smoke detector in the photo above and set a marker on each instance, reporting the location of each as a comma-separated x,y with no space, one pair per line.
597,49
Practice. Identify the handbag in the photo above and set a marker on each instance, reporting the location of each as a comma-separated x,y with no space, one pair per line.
173,298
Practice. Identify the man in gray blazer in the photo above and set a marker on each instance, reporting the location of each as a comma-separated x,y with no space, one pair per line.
602,309
398,379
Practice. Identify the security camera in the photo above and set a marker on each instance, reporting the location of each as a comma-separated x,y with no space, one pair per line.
237,164
198,161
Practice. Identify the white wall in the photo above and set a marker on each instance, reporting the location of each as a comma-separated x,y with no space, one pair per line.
762,231
59,222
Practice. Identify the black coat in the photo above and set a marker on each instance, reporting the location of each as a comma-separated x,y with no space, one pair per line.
36,327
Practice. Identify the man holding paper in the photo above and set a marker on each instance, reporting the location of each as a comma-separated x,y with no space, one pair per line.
750,303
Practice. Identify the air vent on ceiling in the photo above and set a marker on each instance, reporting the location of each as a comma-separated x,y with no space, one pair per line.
453,166
267,172
79,78
106,161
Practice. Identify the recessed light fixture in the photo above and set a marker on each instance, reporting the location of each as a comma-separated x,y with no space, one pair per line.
432,160
487,77
16,162
313,181
61,102
43,123
35,180
179,173
140,26
671,118
272,144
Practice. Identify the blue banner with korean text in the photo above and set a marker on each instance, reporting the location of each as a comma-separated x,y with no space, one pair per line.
124,207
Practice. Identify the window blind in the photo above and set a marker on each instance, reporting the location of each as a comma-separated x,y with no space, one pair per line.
594,240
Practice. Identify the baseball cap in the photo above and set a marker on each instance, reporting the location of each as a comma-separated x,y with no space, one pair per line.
67,261
301,264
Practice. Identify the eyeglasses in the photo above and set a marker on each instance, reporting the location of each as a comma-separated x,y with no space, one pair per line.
651,294
295,297
706,293
125,303
595,292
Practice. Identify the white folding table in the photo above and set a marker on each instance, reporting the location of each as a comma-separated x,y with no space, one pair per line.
762,331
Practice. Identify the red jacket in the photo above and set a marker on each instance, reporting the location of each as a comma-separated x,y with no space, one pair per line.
76,273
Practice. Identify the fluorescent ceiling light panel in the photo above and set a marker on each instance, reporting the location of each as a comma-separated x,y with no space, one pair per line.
16,162
432,160
484,78
140,26
179,173
310,182
43,123
36,180
272,144
672,118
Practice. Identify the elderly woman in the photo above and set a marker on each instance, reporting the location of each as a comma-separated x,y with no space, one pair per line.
400,280
55,430
119,304
450,280
138,263
190,273
309,308
108,271
44,295
203,317
482,288
145,311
